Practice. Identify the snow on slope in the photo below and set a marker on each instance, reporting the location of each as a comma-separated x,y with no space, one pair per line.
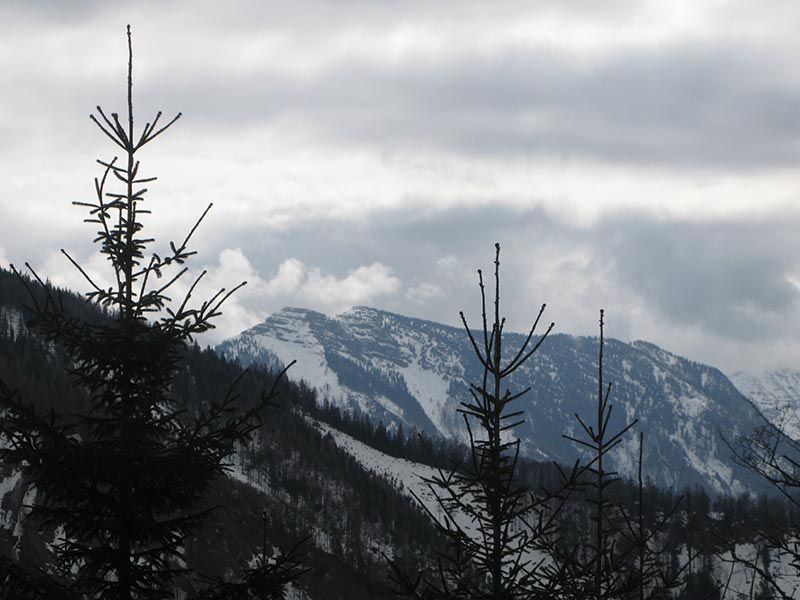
776,393
415,373
399,361
738,581
406,475
7,485
291,339
426,385
409,477
15,319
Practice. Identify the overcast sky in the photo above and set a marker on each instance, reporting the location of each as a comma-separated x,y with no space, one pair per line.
639,156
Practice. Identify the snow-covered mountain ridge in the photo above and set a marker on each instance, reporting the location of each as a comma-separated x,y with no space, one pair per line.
415,372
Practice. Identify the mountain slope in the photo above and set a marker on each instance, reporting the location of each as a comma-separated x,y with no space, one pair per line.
776,393
415,372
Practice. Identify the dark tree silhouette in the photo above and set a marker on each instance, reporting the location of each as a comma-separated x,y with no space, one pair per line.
498,530
507,541
123,482
19,584
621,556
652,576
267,580
604,575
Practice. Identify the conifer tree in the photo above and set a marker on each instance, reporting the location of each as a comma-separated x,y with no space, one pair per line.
267,580
620,556
497,529
604,574
123,482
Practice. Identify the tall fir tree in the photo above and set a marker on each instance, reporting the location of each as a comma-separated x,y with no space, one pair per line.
605,573
123,482
498,529
619,556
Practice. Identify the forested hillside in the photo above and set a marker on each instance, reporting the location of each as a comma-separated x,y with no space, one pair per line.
307,485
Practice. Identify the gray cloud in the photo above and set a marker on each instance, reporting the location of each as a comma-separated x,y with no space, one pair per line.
451,129
691,104
671,281
730,279
687,105
716,102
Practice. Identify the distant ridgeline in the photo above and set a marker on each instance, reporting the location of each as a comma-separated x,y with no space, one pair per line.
414,373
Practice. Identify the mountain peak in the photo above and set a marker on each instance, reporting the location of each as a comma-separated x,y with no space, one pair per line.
297,311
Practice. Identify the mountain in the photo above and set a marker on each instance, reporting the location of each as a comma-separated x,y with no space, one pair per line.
776,393
413,372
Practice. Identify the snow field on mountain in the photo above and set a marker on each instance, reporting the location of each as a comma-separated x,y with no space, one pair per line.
7,485
776,394
427,386
737,580
407,476
15,319
302,346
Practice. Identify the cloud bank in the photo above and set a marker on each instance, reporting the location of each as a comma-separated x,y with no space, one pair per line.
640,157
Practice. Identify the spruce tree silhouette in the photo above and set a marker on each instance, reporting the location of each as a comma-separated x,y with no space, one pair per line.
619,557
508,542
123,483
605,575
498,529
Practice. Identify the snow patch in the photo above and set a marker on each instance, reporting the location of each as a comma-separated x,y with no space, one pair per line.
427,386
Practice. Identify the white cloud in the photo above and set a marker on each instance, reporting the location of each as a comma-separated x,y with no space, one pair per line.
361,285
447,264
424,291
293,284
290,277
449,272
58,269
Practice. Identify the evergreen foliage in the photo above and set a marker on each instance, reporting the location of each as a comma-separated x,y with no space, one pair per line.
604,574
125,479
509,540
268,580
495,526
622,554
306,483
19,584
314,486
